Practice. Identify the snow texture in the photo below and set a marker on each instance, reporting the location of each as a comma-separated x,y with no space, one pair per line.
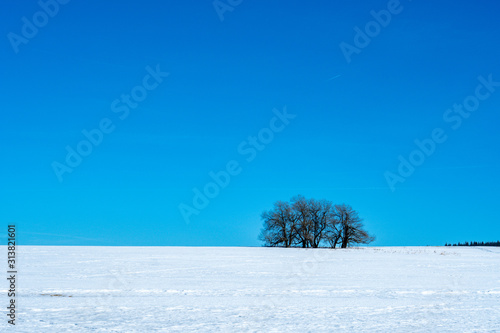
228,289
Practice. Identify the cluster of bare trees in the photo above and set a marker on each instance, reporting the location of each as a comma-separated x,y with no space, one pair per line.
312,223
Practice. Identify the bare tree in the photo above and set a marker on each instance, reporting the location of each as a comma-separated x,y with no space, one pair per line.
302,214
320,212
351,226
333,231
279,226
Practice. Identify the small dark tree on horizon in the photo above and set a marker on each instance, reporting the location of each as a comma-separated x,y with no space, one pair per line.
312,223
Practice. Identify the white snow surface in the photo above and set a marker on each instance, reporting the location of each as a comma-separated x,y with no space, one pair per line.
245,289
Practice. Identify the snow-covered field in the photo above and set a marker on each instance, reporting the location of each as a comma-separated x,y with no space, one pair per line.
217,289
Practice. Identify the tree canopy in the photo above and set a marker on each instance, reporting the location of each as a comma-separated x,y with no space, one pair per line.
312,223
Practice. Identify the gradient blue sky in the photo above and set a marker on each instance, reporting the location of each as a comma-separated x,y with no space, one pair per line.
353,120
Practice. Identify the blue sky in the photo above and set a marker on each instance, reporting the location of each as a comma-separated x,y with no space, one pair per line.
225,77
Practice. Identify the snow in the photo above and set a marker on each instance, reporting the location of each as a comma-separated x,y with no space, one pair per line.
229,289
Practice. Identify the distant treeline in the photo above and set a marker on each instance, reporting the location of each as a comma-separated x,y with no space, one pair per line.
497,243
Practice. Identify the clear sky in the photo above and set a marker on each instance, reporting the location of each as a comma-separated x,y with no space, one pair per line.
358,93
